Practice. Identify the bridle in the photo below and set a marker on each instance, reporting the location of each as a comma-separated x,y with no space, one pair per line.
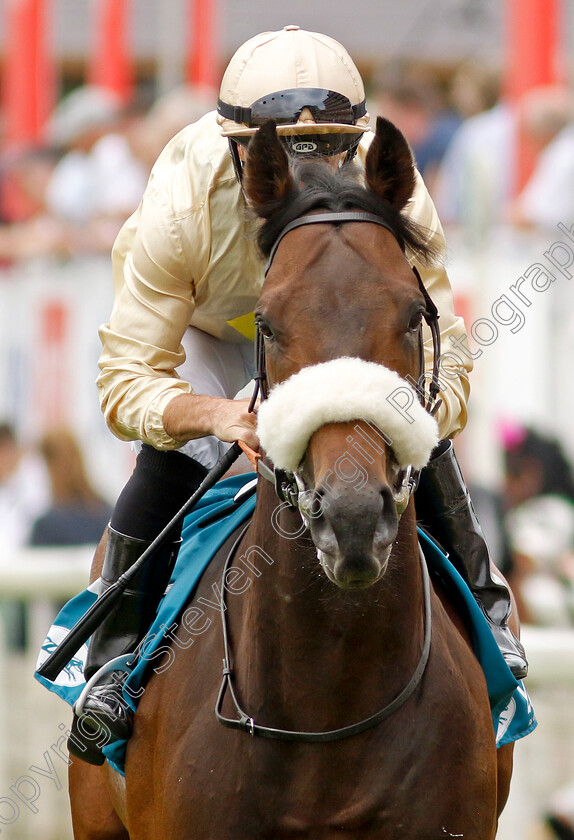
430,314
286,488
285,483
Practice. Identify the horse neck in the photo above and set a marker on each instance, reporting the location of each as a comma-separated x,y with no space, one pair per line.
298,623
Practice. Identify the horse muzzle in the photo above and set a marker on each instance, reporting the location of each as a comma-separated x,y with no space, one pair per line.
353,533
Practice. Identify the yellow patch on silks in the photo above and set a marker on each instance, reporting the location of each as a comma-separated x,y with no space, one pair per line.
245,325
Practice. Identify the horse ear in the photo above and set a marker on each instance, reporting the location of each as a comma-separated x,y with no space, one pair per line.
390,167
267,178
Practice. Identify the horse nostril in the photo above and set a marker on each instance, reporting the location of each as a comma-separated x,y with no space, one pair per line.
312,504
387,526
388,499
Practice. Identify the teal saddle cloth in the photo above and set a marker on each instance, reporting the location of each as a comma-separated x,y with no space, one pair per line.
512,713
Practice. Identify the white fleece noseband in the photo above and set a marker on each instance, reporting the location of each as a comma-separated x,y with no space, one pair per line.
341,390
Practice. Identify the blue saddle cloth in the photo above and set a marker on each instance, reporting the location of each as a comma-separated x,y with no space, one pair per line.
512,712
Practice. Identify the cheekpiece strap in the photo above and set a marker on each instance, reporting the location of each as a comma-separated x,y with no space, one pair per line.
431,316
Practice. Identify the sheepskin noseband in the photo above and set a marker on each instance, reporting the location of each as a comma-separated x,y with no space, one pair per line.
337,391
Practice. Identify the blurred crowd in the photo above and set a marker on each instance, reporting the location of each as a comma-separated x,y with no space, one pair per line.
71,194
464,135
69,197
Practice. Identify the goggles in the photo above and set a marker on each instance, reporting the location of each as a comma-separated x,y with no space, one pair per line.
286,106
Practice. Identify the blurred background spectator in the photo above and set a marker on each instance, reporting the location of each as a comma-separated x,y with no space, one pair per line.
416,102
539,500
99,181
536,504
24,490
548,197
560,817
46,500
476,182
24,495
475,178
77,514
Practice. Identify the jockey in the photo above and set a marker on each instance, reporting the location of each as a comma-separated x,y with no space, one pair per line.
178,346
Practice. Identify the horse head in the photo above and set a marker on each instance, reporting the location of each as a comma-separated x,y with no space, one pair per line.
340,319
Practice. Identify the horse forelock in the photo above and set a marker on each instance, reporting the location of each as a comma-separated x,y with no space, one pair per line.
319,187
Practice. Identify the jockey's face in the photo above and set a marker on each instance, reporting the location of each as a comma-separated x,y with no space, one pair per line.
306,118
334,161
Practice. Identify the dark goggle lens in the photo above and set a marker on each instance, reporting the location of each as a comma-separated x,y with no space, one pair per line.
285,107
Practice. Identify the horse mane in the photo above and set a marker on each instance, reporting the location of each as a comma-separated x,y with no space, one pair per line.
319,187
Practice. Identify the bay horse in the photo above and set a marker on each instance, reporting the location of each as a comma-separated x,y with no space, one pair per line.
345,716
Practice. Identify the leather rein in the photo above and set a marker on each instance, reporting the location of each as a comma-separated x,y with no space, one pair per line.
286,489
245,723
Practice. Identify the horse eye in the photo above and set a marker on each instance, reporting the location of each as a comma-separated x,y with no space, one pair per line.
415,322
264,328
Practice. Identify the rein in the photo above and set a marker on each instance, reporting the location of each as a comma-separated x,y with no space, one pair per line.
245,723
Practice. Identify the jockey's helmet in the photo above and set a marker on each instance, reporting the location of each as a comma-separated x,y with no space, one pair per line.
304,81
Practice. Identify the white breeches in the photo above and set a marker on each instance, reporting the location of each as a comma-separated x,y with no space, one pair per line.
219,369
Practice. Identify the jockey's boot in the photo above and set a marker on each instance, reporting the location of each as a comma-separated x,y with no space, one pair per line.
105,709
445,508
162,481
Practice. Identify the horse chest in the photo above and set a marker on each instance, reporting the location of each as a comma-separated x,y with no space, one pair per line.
251,789
422,774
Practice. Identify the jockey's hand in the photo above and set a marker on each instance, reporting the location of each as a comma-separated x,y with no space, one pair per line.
191,416
232,421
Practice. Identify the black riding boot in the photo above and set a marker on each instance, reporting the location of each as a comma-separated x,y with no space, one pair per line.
445,508
123,629
159,485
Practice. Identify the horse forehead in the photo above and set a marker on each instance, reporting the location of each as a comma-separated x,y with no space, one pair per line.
314,253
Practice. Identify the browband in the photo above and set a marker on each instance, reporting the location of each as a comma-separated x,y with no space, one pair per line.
326,218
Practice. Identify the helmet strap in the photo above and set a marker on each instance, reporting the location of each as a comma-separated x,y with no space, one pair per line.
237,165
351,154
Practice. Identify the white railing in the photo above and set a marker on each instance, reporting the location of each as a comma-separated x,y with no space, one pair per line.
550,655
40,573
33,721
42,578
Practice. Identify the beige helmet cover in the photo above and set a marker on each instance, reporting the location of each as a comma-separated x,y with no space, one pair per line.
290,58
